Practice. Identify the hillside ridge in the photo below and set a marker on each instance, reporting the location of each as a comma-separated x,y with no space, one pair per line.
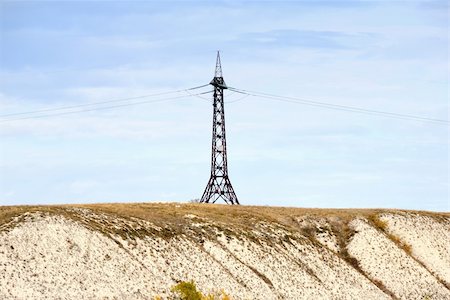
140,250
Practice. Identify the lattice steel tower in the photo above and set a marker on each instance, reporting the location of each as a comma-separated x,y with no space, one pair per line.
219,185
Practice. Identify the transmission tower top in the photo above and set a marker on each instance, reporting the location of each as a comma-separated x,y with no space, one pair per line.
218,79
218,66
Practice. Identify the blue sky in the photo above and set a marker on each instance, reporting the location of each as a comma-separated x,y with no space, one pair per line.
382,55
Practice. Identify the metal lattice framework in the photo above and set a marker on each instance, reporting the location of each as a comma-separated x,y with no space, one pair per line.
219,185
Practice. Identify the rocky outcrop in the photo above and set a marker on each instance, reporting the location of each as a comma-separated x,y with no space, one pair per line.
137,251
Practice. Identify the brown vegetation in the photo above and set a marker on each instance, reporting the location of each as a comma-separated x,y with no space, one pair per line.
171,217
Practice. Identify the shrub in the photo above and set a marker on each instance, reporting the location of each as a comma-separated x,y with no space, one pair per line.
187,291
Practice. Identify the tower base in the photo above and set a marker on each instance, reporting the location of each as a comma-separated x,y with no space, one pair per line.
219,188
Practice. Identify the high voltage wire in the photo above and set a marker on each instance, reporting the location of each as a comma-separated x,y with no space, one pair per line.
5,117
339,107
101,108
246,93
237,100
100,102
198,96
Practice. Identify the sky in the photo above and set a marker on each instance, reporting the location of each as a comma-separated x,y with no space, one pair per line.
381,55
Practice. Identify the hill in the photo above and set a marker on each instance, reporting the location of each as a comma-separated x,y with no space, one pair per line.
138,251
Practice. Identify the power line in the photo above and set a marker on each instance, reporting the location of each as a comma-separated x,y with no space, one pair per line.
100,102
238,99
246,93
200,97
340,107
100,108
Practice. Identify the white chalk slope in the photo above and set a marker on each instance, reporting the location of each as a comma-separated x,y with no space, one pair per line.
52,256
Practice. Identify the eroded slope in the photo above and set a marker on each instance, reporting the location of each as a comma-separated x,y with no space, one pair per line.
137,251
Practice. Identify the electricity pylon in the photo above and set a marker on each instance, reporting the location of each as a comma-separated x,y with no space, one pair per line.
219,185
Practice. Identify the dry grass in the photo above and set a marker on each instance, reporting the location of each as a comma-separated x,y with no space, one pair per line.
403,245
243,216
172,217
378,223
383,226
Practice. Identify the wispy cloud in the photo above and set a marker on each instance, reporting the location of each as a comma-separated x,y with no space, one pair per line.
440,5
304,38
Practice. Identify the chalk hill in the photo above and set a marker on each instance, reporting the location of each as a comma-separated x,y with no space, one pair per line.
138,251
